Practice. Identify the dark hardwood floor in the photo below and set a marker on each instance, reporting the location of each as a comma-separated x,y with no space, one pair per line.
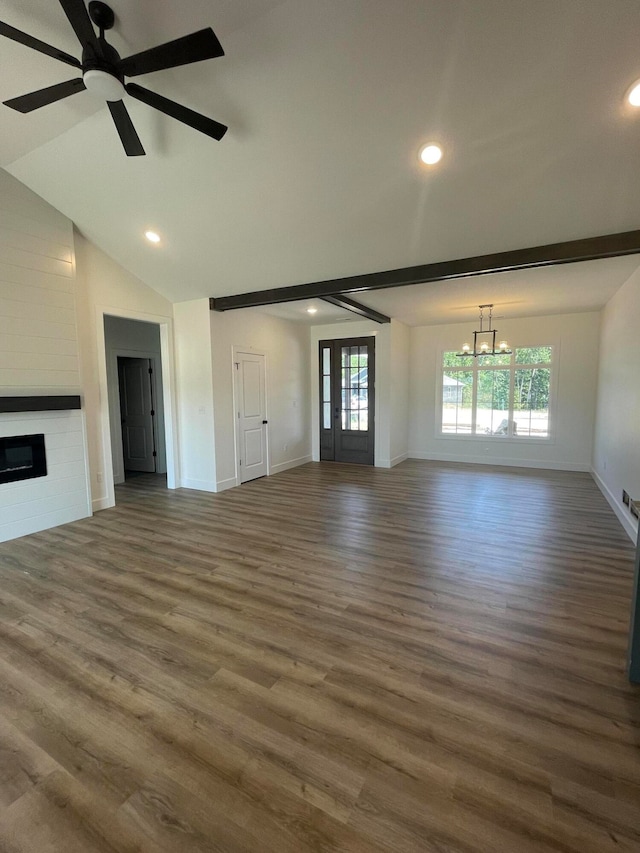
336,658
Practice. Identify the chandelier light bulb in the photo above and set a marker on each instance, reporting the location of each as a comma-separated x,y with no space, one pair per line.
504,345
465,347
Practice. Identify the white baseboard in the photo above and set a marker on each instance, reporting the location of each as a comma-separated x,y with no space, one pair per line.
505,463
98,504
222,485
199,485
622,513
291,463
391,463
398,459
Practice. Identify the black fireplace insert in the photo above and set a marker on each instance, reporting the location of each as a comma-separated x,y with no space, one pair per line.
22,457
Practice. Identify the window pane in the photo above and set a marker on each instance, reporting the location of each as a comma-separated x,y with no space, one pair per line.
326,388
364,419
457,397
326,361
533,355
531,402
452,359
493,360
359,398
326,415
492,413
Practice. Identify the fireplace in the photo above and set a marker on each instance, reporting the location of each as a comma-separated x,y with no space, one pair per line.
22,457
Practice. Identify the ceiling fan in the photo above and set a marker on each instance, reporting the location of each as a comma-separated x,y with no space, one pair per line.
104,72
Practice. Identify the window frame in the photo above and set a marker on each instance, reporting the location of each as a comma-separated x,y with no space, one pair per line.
474,367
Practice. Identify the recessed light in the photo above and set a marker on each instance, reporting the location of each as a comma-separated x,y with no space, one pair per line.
430,154
312,310
152,237
633,94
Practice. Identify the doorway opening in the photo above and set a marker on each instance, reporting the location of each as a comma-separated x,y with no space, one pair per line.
136,400
347,400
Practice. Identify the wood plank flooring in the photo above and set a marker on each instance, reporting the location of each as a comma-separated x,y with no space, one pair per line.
336,658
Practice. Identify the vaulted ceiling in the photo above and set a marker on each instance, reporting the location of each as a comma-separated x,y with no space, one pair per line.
328,104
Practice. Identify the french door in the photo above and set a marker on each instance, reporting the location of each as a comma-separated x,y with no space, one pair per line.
347,400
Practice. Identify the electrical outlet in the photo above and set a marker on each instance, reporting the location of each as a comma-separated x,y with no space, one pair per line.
285,447
625,498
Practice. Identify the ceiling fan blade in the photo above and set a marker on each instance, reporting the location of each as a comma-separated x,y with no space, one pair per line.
192,48
35,100
127,132
76,12
36,44
195,120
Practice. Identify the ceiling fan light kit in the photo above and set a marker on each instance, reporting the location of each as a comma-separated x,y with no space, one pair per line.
104,72
103,84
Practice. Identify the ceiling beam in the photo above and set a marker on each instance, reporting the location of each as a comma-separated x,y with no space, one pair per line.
570,252
357,308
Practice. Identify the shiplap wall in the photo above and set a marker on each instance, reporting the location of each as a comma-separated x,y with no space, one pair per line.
39,354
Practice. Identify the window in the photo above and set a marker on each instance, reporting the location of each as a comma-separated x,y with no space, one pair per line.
355,388
502,395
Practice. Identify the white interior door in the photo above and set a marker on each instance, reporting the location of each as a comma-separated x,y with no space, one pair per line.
251,415
136,412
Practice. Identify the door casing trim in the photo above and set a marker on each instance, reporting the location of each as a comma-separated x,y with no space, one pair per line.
168,391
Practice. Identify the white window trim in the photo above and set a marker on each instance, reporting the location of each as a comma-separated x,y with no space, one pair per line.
502,439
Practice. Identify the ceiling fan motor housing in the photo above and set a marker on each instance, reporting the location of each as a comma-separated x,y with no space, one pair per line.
100,73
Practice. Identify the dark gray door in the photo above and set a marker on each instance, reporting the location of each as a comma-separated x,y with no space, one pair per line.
137,414
347,398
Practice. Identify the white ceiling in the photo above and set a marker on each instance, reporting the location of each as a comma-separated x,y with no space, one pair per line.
328,103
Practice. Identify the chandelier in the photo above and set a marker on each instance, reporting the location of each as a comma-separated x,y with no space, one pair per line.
484,340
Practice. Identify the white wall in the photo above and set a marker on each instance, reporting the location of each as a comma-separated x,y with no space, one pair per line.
616,456
399,395
575,341
39,355
105,288
133,339
194,373
286,346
